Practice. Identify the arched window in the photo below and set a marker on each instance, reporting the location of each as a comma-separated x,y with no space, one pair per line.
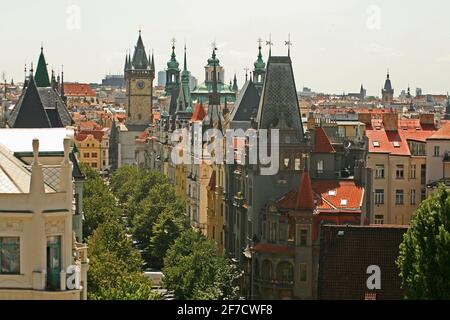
285,272
266,270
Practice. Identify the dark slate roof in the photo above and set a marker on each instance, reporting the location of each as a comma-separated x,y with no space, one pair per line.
29,111
388,85
173,100
140,60
76,171
246,106
39,108
345,254
278,106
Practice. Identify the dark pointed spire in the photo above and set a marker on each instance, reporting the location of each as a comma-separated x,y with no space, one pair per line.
140,60
235,85
63,95
41,78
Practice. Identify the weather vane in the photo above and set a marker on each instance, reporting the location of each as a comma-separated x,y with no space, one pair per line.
289,44
173,42
214,45
270,44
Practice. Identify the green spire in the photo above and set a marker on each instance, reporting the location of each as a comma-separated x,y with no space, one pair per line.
173,63
260,65
41,78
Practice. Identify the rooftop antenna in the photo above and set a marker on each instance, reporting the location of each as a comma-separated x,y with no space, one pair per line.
289,44
270,44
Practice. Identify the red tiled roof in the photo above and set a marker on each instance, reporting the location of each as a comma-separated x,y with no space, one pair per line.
305,196
408,129
340,191
442,134
78,90
97,134
322,144
88,125
199,113
331,196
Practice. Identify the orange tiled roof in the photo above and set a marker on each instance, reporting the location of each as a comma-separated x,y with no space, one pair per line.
321,143
272,248
89,125
78,90
396,142
83,135
199,113
331,196
442,134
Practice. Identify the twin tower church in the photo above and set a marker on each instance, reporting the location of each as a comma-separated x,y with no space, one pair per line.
177,98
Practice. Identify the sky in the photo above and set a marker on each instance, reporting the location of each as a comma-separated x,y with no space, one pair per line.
337,45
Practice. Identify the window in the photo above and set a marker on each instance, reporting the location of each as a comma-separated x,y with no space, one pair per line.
303,274
266,270
379,219
379,196
297,165
376,144
396,144
379,171
423,194
303,237
94,164
86,155
437,152
413,196
285,272
94,155
400,171
9,255
423,173
399,197
412,171
320,166
273,232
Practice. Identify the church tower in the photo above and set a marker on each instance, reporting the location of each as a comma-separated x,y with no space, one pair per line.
139,76
260,70
172,73
387,92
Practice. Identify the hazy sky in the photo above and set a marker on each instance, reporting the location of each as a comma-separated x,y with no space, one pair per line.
337,45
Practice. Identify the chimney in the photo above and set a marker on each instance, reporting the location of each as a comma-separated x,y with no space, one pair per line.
390,121
365,118
426,118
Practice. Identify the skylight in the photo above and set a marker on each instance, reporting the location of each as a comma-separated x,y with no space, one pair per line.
332,192
396,144
344,202
376,144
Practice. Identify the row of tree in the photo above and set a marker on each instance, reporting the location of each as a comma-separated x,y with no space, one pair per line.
139,206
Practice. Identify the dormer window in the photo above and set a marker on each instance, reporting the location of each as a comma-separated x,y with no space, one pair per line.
344,202
332,193
376,144
396,144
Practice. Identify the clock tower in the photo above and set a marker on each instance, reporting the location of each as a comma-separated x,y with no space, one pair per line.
139,76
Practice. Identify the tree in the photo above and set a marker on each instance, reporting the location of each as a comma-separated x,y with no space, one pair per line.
99,205
131,185
425,251
195,271
115,266
160,198
167,228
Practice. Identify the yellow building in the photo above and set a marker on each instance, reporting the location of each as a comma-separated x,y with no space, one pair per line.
93,149
397,159
39,256
215,207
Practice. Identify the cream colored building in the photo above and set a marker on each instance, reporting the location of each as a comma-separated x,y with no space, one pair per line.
397,157
438,156
38,250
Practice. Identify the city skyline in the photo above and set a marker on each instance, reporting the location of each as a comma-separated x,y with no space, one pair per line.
336,46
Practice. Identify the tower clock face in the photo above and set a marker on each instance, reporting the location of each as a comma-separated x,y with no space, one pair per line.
140,84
